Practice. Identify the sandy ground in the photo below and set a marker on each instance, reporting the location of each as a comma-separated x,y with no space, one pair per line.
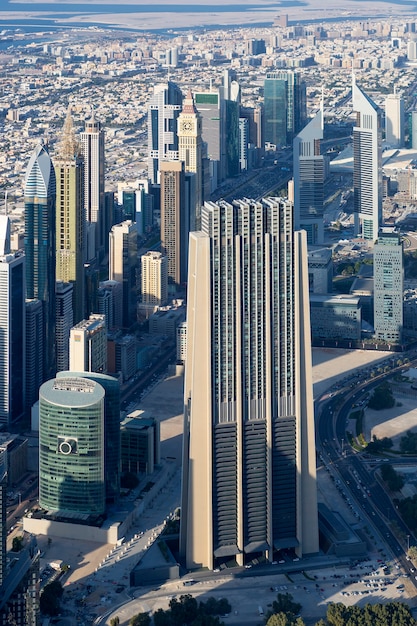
263,13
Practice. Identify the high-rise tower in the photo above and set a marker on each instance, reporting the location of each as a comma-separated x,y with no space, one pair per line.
249,478
367,165
69,173
88,345
284,107
40,192
388,286
92,148
309,180
394,120
12,338
190,145
71,446
164,109
176,218
123,265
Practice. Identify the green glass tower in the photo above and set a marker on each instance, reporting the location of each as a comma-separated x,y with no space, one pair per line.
111,388
71,446
284,107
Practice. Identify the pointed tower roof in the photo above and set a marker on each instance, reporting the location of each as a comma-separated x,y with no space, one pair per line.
69,146
4,235
188,106
40,174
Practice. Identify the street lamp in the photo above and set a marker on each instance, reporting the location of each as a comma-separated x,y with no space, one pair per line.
408,542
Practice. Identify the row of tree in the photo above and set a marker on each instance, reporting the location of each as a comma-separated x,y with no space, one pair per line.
390,614
185,611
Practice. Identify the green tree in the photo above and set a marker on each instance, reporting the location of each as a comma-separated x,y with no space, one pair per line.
17,544
184,610
129,480
381,398
285,604
141,619
50,599
115,621
412,553
408,443
279,619
162,618
394,480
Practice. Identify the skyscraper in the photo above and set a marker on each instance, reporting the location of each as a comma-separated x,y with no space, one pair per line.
12,338
3,518
92,148
34,351
394,120
388,286
154,273
284,107
190,145
111,388
177,218
210,106
88,345
123,265
39,196
367,165
69,173
164,109
64,323
71,446
249,484
309,180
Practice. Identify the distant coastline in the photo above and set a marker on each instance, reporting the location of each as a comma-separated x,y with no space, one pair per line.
167,15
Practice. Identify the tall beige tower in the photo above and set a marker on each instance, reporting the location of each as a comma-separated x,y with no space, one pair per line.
69,173
154,278
176,202
249,472
88,345
190,146
123,264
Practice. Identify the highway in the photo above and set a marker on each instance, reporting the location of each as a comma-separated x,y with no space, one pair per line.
353,478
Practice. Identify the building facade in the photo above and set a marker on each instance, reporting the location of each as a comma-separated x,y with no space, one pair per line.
39,197
394,120
154,277
190,146
64,323
123,266
249,485
69,173
12,339
71,446
367,165
163,111
284,107
176,221
92,149
388,286
88,345
111,388
309,174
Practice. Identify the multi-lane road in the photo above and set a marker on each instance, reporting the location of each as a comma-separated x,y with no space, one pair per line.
354,475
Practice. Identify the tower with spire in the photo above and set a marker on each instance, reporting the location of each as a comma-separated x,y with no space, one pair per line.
92,149
69,172
190,146
40,249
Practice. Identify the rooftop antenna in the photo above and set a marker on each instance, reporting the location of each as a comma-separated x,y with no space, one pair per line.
5,201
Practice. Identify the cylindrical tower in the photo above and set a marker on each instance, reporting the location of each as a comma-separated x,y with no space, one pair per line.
71,446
